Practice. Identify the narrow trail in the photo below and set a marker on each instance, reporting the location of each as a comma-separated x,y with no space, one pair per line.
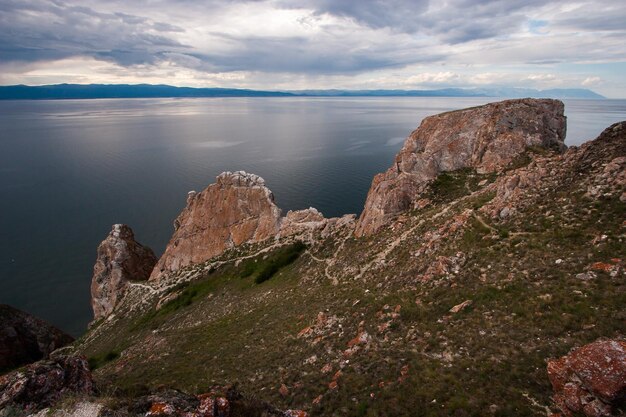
141,285
480,220
330,262
382,255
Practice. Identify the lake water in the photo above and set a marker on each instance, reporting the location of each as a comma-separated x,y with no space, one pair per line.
70,169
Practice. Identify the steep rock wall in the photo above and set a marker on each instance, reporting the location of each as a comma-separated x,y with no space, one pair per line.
486,138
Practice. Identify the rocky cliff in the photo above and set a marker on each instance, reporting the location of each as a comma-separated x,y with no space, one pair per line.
511,251
121,259
237,209
25,338
485,138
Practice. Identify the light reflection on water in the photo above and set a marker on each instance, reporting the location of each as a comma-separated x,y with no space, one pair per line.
70,169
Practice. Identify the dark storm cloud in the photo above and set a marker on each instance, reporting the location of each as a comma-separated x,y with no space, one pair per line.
364,35
38,30
43,30
300,54
452,22
458,21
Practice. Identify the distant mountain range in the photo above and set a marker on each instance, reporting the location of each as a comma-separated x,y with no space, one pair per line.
91,91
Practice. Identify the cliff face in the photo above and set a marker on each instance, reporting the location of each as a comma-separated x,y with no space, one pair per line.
459,300
120,259
237,209
25,338
486,138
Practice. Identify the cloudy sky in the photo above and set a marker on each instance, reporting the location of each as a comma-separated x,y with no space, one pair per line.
298,44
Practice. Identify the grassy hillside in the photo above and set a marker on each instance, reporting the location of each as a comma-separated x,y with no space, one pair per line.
450,311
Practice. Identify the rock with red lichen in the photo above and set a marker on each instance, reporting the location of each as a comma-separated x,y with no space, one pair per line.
590,379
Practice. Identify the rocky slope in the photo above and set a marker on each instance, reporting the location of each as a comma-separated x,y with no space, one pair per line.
485,138
44,383
25,338
121,259
451,307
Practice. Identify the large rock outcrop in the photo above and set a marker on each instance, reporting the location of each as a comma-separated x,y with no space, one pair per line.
590,379
237,209
25,338
120,259
486,138
43,383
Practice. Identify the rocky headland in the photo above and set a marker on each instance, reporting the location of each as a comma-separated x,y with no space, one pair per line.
486,249
25,338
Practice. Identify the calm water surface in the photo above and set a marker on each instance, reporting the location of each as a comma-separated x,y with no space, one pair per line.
70,169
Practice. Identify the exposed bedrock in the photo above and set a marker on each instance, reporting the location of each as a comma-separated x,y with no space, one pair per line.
237,209
486,138
120,259
590,379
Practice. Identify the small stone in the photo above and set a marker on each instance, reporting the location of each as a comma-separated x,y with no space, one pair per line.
586,276
460,307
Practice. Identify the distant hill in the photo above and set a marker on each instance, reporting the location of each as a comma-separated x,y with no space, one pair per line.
80,91
505,92
90,91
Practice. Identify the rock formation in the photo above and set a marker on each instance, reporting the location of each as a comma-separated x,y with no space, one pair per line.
25,338
237,209
513,191
485,138
302,221
590,379
120,259
42,383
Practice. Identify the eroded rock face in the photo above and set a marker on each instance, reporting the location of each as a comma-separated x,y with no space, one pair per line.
237,209
302,221
25,338
120,259
601,161
43,383
590,379
486,138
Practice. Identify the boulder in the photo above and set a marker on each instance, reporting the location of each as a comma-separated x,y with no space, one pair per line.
486,138
237,209
120,259
590,379
25,339
42,383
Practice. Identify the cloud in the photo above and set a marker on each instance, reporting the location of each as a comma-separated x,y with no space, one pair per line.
41,30
591,81
437,78
315,43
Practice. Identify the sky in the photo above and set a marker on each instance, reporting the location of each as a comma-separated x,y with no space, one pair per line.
317,44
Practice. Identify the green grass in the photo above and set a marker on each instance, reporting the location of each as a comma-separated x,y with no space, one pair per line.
98,361
281,258
259,269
